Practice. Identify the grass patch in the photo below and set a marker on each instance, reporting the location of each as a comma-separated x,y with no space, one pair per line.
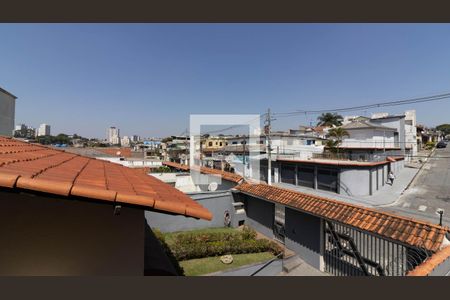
201,266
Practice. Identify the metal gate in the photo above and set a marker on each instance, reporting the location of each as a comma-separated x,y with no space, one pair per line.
353,252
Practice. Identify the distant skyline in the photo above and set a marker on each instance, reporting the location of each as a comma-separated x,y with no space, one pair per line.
146,79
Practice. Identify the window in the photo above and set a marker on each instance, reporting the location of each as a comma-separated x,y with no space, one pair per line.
210,144
288,173
305,176
327,179
220,144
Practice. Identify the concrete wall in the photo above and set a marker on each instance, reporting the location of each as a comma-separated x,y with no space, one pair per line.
355,182
260,215
44,235
303,233
7,114
216,202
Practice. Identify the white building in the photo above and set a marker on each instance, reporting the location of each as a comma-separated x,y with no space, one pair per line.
7,112
125,141
113,135
44,129
365,134
411,131
135,138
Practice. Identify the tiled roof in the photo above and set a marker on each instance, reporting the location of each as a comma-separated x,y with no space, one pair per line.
39,168
364,124
394,227
225,175
124,152
425,268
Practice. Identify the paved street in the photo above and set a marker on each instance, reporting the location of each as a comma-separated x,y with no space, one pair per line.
429,191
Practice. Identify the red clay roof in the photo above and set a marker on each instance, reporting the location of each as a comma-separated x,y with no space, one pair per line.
124,152
431,263
39,168
225,175
394,227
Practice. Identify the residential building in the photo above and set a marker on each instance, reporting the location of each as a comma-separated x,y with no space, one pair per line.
24,131
213,143
20,130
81,227
113,135
44,129
368,135
7,112
342,239
176,149
125,141
135,138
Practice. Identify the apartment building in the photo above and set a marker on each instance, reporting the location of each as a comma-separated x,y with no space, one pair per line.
7,112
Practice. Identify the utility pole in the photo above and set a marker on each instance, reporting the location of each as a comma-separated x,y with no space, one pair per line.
268,147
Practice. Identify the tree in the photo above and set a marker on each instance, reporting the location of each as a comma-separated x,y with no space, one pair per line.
329,119
445,128
337,135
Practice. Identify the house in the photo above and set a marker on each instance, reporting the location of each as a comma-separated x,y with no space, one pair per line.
344,239
405,125
67,214
7,112
352,178
366,134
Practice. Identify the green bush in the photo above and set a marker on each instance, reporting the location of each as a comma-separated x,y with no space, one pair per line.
430,145
191,245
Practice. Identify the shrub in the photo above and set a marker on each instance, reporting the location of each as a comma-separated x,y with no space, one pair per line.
430,145
191,245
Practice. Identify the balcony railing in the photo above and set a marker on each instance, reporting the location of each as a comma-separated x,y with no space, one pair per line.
362,157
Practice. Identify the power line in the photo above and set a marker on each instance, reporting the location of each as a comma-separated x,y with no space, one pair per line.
364,107
234,126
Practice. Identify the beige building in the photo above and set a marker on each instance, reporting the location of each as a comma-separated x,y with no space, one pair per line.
214,143
7,112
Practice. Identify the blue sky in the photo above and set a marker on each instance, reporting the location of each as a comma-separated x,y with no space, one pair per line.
147,79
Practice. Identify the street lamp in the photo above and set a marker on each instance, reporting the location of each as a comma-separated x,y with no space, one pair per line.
440,212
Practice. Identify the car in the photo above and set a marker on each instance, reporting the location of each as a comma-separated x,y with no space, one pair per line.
441,144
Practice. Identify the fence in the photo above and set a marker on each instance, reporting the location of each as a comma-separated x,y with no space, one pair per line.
352,252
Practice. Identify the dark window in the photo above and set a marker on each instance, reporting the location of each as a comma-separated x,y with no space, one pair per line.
288,174
327,179
220,144
305,176
210,144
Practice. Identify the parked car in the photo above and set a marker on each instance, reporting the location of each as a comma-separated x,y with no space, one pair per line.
441,144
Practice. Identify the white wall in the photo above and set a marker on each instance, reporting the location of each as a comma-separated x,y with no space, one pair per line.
7,114
369,138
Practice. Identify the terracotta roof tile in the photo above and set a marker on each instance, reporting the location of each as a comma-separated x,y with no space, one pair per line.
225,175
43,169
431,263
394,227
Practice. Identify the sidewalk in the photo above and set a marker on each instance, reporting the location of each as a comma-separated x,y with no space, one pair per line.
385,195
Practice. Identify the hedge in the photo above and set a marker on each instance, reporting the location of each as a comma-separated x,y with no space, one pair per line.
191,245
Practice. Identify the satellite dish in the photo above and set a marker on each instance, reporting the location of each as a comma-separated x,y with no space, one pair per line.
213,186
